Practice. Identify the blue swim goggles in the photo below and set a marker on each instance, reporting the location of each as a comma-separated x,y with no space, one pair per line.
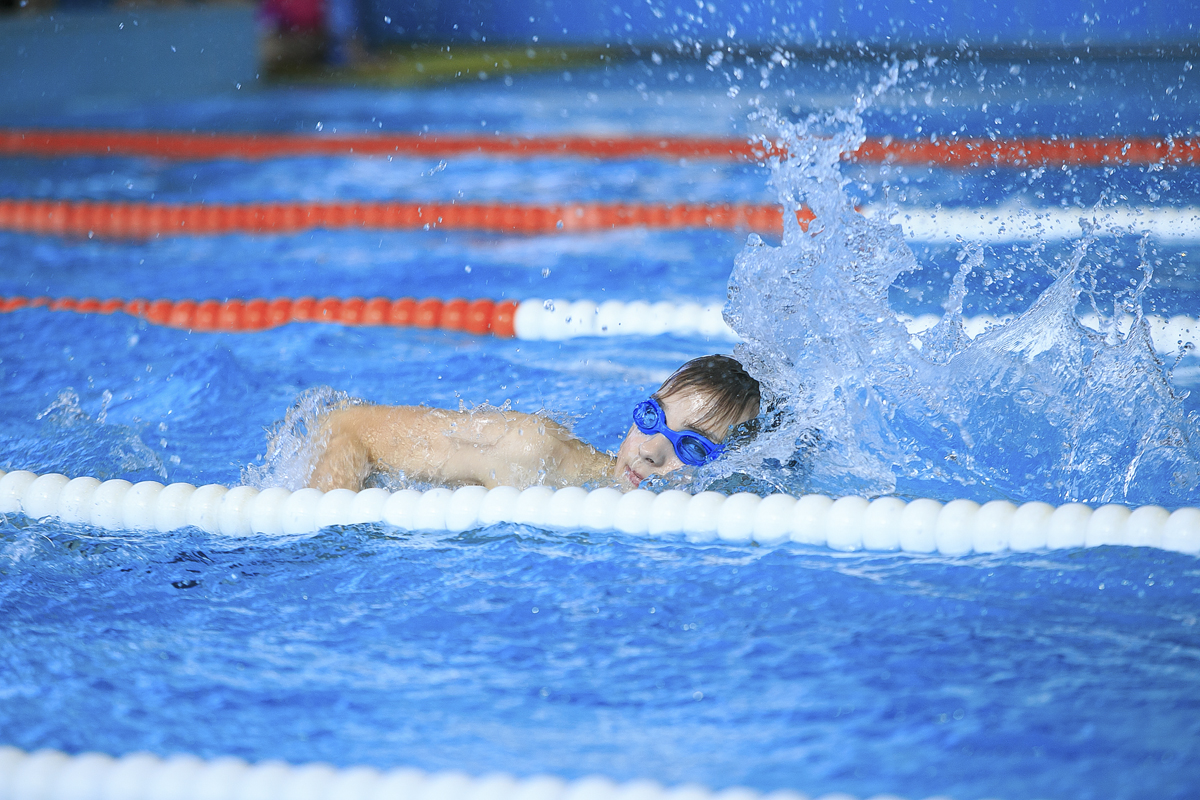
692,448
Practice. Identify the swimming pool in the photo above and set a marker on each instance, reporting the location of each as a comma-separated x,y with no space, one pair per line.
514,648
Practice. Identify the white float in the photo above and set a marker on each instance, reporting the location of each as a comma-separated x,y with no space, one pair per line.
957,528
51,775
555,320
948,225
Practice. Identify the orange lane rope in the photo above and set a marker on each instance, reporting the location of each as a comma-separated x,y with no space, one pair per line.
953,152
1030,152
473,316
172,145
146,220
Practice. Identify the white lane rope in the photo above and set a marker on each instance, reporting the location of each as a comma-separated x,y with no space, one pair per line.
956,528
556,320
53,775
1008,224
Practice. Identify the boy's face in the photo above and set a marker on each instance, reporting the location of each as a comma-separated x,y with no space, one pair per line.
642,455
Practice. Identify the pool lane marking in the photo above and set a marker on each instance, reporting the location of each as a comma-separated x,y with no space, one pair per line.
135,220
480,316
532,319
1003,225
923,525
946,152
48,774
554,320
138,220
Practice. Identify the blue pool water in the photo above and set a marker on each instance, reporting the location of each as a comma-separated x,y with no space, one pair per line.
1054,674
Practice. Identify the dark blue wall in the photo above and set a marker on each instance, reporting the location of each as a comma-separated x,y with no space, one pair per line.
981,23
99,58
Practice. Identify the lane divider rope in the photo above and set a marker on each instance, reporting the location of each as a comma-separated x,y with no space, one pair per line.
137,220
947,225
956,528
473,316
952,152
1168,334
533,319
54,775
556,320
982,225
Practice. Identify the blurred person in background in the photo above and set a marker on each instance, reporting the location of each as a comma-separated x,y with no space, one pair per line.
305,32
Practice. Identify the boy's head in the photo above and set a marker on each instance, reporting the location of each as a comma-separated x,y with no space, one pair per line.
707,396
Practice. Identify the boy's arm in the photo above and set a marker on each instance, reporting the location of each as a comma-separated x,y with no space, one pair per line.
345,464
362,439
487,448
347,460
512,449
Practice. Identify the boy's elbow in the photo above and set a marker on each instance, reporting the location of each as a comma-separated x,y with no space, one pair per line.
345,464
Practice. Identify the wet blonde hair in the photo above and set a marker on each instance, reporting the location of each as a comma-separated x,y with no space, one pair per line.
731,395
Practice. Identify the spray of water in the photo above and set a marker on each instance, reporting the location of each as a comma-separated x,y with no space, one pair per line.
76,444
294,443
1041,407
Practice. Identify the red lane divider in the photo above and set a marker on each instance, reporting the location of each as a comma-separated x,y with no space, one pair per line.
960,153
473,316
172,145
1030,152
145,220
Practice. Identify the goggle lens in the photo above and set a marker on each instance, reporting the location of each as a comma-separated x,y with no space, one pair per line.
691,448
690,451
646,416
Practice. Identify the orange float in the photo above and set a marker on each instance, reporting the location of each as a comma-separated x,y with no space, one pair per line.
954,152
479,316
428,313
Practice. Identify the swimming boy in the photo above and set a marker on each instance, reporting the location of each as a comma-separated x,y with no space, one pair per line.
684,422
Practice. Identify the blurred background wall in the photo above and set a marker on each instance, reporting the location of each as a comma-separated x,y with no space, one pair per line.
876,23
100,51
103,54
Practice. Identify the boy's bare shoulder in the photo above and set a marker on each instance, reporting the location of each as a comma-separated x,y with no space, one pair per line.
363,417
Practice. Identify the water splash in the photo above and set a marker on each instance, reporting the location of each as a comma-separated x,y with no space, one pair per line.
1041,407
74,443
294,443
